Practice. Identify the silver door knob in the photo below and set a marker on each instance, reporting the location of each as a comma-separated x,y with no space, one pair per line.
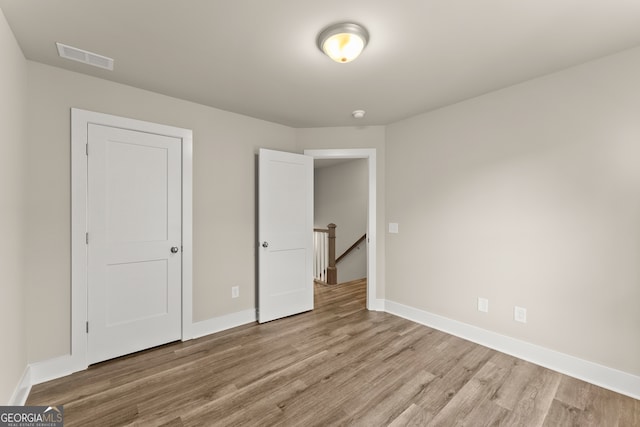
174,250
265,244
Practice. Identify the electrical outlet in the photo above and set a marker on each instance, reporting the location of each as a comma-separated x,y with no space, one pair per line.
235,291
520,314
483,305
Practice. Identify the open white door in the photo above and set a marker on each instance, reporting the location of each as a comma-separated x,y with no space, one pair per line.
285,230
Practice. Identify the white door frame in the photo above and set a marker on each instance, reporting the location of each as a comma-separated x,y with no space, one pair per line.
79,123
369,154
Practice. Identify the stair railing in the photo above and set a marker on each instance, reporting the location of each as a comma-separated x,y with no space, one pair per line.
354,246
324,265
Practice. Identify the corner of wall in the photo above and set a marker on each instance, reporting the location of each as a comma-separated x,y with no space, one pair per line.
13,155
21,393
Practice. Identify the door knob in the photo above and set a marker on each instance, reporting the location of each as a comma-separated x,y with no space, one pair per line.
174,250
265,244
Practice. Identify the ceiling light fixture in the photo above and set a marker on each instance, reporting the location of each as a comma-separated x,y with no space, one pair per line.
343,42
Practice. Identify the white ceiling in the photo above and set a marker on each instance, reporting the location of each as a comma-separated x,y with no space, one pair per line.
259,57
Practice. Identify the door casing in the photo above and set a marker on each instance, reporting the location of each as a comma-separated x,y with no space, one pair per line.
79,123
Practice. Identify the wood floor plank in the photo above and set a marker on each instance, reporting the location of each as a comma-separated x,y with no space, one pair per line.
448,383
602,408
630,413
561,414
508,394
413,416
536,399
373,406
343,382
336,365
475,392
573,392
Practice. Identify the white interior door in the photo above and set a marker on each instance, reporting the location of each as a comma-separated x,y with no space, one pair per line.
285,228
134,241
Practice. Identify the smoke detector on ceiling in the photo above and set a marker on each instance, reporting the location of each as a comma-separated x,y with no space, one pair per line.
84,56
358,114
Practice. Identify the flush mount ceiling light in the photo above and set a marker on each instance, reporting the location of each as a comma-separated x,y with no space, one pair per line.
343,42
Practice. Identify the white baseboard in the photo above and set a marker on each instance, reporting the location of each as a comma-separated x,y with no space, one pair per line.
51,369
603,376
222,323
377,304
22,391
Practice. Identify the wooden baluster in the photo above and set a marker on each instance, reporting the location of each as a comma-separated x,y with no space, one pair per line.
332,271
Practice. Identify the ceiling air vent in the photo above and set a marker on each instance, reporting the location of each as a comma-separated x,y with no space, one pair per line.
89,58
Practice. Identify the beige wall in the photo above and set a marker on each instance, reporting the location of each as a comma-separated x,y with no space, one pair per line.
356,137
224,195
340,197
13,87
527,196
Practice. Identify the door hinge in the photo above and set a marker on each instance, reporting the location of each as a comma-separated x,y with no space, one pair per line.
86,149
87,327
86,238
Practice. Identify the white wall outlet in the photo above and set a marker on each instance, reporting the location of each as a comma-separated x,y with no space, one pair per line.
235,291
483,305
520,314
393,227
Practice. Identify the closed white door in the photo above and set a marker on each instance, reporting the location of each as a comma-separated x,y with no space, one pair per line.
134,241
285,228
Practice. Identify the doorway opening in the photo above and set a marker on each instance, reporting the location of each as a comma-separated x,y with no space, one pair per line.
340,220
370,155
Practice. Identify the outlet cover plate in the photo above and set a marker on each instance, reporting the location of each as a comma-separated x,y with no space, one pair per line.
235,291
520,314
483,305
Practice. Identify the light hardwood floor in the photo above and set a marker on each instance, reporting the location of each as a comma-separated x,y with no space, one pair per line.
337,365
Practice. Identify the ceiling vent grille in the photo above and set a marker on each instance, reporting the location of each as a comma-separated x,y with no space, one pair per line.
89,58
